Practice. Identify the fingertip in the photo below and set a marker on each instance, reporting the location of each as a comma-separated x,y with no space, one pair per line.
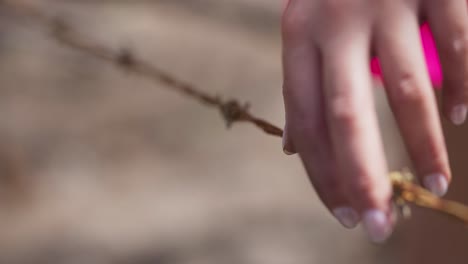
288,149
374,201
287,152
347,216
377,224
436,183
458,114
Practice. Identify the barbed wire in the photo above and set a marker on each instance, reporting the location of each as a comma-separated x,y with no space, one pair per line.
232,111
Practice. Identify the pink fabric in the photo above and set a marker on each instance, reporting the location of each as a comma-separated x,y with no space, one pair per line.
432,59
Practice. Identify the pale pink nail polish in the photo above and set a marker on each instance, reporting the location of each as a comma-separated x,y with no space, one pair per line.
377,225
347,216
458,114
436,183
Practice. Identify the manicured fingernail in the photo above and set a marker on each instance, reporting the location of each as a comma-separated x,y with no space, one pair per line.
377,225
347,216
436,183
285,150
458,114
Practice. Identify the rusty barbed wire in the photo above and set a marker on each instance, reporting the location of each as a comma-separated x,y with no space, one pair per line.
232,110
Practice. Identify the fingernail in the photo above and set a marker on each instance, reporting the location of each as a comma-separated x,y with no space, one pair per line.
285,150
458,114
347,216
377,225
436,183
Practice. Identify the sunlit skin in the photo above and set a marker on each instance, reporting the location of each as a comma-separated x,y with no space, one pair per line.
330,118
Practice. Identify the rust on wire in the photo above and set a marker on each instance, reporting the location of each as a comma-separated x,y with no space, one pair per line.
231,110
409,192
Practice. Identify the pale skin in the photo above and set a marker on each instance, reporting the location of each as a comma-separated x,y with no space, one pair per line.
330,118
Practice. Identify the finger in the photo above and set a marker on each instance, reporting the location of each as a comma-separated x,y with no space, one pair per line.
306,126
411,96
448,20
354,129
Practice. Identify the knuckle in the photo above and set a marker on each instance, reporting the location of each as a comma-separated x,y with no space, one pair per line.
459,43
408,91
455,46
342,109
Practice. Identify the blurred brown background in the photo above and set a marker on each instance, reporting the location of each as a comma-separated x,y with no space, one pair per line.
100,166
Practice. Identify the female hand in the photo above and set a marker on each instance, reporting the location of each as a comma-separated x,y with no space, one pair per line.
330,118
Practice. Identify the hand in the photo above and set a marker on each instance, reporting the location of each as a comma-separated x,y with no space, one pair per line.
330,118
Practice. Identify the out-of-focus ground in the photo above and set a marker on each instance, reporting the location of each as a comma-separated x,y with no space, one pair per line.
106,167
